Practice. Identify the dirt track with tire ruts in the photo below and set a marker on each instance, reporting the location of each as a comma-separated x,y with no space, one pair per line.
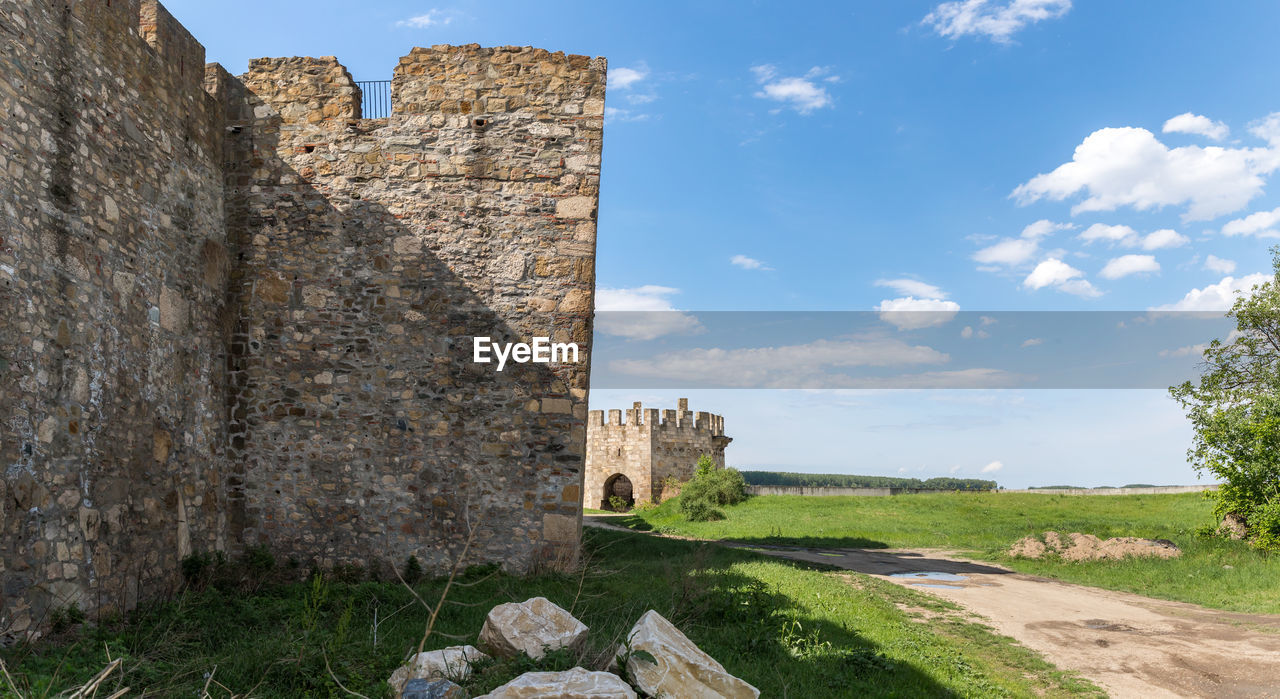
1130,645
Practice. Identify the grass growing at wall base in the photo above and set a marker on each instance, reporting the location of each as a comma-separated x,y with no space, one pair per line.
789,630
1211,572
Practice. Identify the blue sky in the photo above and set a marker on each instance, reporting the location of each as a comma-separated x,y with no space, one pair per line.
1006,155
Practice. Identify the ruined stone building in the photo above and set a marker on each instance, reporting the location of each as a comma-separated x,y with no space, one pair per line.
234,312
631,458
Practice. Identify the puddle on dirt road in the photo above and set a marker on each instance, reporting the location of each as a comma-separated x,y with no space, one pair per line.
939,587
946,577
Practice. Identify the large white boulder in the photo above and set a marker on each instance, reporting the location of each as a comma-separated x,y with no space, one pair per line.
570,684
532,627
679,668
452,663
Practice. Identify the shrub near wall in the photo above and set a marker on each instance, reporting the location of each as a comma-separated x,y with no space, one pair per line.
710,489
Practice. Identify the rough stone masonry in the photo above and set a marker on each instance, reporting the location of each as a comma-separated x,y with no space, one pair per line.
233,312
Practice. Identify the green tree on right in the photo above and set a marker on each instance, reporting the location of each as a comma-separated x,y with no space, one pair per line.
1235,411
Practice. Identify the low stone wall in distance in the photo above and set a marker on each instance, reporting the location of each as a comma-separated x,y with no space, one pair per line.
1156,490
877,492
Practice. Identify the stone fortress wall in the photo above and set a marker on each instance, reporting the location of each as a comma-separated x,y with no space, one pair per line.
643,450
234,312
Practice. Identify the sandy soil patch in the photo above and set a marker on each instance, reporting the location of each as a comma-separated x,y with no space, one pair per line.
1087,547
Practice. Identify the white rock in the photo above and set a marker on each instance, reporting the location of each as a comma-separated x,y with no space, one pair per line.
452,663
532,627
680,669
570,684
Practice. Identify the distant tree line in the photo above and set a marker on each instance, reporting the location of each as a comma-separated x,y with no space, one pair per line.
843,480
1096,487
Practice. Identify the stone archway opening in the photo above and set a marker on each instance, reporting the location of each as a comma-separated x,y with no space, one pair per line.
617,486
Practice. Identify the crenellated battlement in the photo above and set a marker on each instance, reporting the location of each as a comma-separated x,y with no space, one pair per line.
639,417
470,84
175,46
476,80
640,448
306,90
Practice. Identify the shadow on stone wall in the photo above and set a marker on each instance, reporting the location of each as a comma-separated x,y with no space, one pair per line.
361,428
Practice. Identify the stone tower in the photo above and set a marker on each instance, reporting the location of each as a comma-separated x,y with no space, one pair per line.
233,311
631,458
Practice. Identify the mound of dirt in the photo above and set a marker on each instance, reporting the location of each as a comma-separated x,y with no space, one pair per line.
1087,547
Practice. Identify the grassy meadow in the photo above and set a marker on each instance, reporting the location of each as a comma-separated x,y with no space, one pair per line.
1211,572
790,630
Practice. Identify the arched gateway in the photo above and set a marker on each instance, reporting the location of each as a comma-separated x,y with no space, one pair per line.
617,485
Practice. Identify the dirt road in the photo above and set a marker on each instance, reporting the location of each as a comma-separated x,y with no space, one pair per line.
1132,646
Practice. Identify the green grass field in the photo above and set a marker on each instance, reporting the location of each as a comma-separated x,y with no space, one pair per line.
789,630
986,524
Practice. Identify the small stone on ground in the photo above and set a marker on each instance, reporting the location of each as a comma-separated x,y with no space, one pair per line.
570,684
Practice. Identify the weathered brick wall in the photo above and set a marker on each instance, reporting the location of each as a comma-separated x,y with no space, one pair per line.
112,313
374,250
648,450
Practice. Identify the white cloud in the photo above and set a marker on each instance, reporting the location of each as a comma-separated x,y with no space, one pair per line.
624,78
911,287
1011,251
1164,238
1032,342
1123,235
1044,227
1267,128
800,93
992,467
1125,265
969,333
911,313
994,20
748,263
432,18
649,297
1188,351
1130,167
1061,276
1216,297
988,320
642,313
1198,349
1197,125
807,365
613,114
1126,236
1079,287
1260,224
816,365
1213,263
